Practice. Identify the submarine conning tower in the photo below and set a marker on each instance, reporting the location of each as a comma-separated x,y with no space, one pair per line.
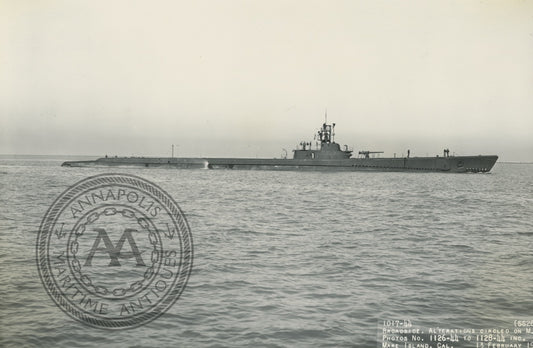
327,148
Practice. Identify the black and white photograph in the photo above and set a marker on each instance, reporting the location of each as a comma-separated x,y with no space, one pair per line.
251,173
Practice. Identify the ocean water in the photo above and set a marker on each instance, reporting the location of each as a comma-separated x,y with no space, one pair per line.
296,259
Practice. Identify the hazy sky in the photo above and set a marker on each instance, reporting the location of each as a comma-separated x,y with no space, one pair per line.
248,78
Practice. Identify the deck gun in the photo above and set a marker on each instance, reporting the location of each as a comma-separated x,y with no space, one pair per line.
366,154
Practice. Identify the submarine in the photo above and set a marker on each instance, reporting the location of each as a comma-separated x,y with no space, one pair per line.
327,155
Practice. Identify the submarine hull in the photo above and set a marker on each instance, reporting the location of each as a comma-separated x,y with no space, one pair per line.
451,164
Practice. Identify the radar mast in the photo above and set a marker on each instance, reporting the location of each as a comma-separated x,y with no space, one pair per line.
327,133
